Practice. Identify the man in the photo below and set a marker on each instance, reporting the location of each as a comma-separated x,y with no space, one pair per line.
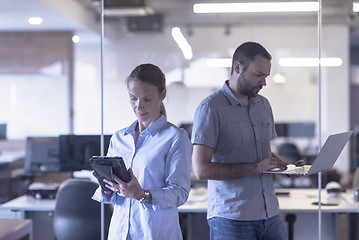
231,135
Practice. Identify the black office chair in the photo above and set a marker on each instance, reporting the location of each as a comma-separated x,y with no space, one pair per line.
289,152
76,215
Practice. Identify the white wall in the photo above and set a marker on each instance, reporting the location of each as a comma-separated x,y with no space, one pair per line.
294,101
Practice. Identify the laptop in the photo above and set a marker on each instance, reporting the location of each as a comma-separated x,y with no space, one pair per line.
325,160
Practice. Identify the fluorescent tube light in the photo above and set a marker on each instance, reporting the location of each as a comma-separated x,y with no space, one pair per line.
128,11
310,62
182,42
355,6
219,62
256,7
35,20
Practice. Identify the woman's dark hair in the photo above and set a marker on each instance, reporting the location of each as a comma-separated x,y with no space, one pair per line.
150,74
246,53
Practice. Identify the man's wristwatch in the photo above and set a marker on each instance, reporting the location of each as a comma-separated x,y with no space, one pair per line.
146,196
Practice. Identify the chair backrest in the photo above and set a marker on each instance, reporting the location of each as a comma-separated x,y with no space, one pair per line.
76,215
289,152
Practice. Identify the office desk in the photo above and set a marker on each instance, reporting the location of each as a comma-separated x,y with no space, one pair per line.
26,203
298,201
301,201
39,211
15,229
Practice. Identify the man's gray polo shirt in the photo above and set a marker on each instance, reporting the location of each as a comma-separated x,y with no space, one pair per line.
237,134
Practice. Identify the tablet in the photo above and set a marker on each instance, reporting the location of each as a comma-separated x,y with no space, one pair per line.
107,168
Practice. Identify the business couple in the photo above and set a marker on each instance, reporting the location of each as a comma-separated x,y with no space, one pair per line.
230,148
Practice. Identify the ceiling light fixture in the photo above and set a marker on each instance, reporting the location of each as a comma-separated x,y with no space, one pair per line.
128,11
284,62
310,62
182,42
35,20
76,38
256,7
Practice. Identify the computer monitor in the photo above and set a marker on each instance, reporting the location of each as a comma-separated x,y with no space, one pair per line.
3,131
76,150
295,129
42,155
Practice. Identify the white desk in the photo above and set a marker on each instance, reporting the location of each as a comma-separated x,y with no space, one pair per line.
26,203
29,203
40,211
299,202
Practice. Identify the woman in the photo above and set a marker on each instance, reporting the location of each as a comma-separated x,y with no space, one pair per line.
158,155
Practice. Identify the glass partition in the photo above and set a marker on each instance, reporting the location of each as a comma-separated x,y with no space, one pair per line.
50,76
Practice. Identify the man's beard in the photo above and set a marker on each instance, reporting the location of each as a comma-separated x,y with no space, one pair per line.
246,90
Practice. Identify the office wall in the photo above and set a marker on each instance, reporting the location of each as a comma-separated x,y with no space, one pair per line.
293,101
34,78
297,100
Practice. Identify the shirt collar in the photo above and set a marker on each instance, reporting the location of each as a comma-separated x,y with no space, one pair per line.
152,129
228,93
232,99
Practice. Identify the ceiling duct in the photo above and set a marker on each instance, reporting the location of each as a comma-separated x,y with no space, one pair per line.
151,23
118,8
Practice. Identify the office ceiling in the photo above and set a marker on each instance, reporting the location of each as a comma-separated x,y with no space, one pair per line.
175,12
83,15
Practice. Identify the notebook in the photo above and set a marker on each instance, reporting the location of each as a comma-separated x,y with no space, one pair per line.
325,160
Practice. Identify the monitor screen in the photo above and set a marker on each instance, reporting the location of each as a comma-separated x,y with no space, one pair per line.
76,150
2,130
295,129
42,155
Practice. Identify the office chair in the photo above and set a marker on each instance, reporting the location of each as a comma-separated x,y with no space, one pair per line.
76,215
289,152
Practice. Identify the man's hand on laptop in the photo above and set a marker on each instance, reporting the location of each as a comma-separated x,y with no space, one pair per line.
299,163
273,164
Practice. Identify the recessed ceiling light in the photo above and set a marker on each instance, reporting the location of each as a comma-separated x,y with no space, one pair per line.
35,20
75,38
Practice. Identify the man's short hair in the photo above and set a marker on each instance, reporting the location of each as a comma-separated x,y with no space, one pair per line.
246,53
